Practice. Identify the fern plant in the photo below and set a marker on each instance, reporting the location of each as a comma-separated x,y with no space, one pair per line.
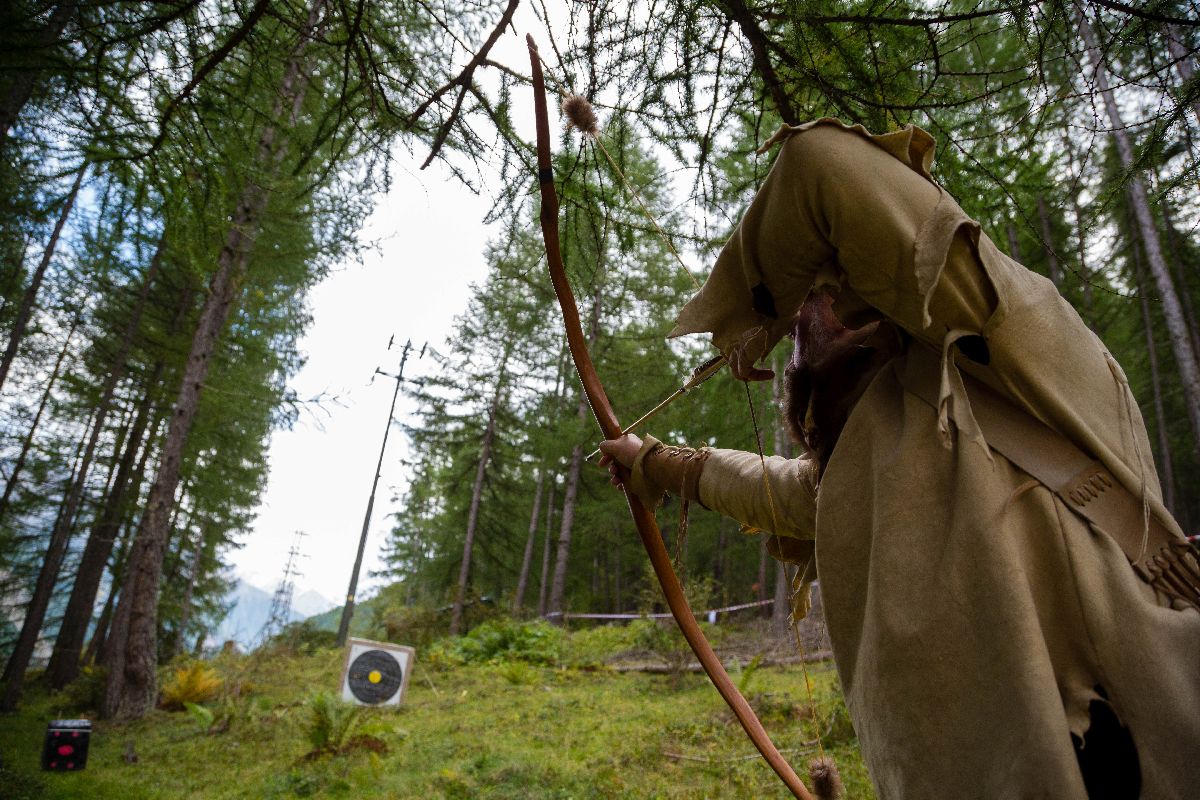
330,724
193,683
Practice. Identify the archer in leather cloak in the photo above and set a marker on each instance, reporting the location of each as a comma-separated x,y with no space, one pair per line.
978,625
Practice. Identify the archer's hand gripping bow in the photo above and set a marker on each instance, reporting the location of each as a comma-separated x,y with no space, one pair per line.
646,525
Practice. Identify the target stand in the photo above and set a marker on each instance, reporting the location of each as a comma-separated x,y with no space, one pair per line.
376,673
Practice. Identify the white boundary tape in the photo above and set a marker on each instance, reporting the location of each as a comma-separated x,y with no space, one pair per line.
706,613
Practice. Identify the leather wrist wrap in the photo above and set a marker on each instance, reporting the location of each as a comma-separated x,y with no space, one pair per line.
661,468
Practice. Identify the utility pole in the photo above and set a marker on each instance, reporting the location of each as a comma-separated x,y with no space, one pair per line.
348,609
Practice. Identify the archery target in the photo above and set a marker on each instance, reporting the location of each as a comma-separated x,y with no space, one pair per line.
376,673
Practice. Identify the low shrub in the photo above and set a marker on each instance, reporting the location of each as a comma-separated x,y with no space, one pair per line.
194,682
596,645
305,638
330,724
518,673
85,693
498,641
415,626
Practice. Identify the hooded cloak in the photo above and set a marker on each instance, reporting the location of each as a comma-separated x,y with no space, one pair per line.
975,619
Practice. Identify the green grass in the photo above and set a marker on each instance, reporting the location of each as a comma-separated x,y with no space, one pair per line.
501,730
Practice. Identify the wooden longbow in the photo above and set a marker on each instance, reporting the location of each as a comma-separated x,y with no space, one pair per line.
647,527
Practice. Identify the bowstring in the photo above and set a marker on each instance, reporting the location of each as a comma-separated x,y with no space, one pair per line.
564,88
681,532
808,686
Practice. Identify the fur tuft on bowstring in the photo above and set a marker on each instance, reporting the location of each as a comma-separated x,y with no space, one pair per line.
580,114
825,779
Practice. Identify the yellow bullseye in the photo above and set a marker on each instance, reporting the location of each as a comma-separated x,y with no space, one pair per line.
374,676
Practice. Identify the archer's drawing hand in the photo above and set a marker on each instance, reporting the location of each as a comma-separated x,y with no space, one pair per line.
619,453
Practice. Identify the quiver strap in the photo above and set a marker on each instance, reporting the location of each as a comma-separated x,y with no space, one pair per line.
1156,549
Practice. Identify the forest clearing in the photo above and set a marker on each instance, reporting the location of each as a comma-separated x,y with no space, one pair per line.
544,718
686,305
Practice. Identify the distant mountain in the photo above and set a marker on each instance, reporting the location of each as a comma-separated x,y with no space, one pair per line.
309,604
251,608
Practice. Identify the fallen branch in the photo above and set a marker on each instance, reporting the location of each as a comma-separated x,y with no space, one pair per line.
810,747
664,669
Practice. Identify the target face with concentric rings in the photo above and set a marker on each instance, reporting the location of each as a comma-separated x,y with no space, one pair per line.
374,676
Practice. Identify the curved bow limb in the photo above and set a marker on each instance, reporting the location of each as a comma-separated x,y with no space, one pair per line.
647,527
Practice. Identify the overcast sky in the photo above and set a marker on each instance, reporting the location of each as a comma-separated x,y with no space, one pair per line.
430,238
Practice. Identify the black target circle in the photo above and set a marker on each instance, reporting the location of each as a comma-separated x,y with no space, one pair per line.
374,676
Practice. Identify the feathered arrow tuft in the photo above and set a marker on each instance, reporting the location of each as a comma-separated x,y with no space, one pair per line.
825,778
581,115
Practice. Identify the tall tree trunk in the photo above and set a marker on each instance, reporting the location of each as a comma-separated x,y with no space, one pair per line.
1181,344
61,535
35,611
95,649
29,298
760,593
185,603
1014,247
1085,274
1183,61
18,88
527,558
1052,265
720,560
544,583
618,585
27,443
131,650
64,661
782,607
1181,277
1166,470
485,456
571,492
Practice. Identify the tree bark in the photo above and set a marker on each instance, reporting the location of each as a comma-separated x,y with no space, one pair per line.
64,661
782,606
63,530
527,558
1181,345
1181,277
570,494
571,490
95,649
185,603
761,584
29,298
485,456
1014,247
131,651
1166,470
19,86
1183,61
719,565
61,535
1052,265
35,611
544,583
26,444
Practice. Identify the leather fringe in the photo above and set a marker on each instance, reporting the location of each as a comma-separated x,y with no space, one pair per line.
1175,572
